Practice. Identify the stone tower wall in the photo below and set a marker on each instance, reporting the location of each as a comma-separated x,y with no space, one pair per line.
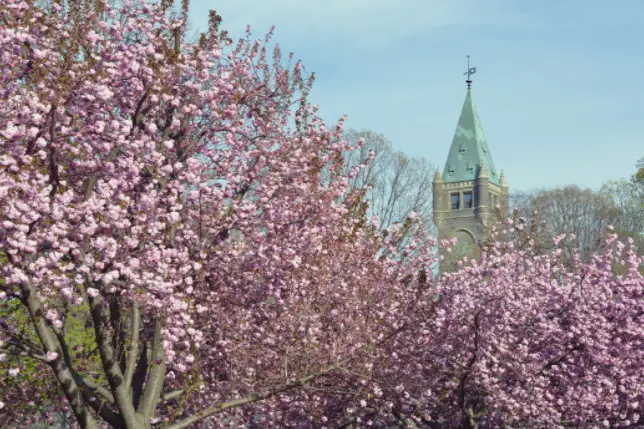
474,222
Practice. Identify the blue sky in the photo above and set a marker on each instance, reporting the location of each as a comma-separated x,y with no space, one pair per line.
559,84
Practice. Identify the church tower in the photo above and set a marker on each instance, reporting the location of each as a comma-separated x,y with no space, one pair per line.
468,192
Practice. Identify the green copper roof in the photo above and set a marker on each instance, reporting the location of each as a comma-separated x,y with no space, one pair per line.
469,148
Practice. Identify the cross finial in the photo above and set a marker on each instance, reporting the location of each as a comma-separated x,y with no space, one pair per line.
470,71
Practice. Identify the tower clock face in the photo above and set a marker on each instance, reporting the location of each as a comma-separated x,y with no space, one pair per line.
465,245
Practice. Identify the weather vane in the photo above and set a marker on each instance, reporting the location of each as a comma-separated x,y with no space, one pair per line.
470,71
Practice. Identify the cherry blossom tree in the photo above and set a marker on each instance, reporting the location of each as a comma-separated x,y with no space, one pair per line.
519,339
170,251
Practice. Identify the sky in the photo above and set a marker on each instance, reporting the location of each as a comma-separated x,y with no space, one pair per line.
559,85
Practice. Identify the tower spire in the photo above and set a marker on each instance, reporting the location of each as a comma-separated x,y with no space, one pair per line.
483,171
469,148
470,71
502,179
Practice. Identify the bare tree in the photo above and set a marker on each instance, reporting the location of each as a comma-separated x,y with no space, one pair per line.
570,209
628,196
637,183
398,184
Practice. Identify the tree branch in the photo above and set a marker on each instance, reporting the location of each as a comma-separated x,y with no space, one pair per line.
139,375
21,341
133,349
559,359
118,333
250,399
61,370
470,422
156,375
136,117
91,182
86,385
20,352
54,179
172,395
122,398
